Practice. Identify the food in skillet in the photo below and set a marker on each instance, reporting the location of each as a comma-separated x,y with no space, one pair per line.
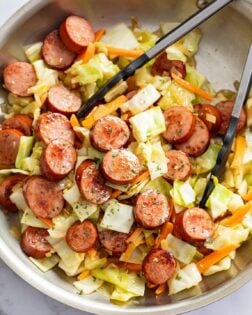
113,200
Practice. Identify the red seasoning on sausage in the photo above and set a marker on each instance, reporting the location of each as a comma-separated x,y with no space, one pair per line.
114,242
210,115
9,144
21,122
178,165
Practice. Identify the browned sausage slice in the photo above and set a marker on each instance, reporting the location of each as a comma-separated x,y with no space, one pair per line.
55,53
61,99
82,236
180,123
54,126
19,77
194,224
58,160
76,33
23,123
43,197
178,165
114,242
109,133
159,266
198,142
6,187
120,166
9,144
163,66
151,209
91,184
225,109
34,242
210,115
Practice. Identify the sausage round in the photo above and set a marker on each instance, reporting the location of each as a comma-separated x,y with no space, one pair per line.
54,126
76,33
180,123
9,144
114,242
91,184
82,236
159,266
194,224
109,133
34,242
178,165
210,115
225,109
151,209
58,160
23,123
6,187
198,142
164,67
19,77
55,53
120,166
61,99
43,197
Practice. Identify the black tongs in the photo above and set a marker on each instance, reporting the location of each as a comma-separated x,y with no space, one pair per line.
219,169
164,42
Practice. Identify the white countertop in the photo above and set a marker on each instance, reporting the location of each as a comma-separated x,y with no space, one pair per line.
19,298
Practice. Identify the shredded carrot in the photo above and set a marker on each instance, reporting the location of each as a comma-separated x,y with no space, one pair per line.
83,275
134,235
47,222
214,257
130,249
192,88
238,216
92,252
248,196
160,289
87,54
240,148
151,285
116,193
130,266
74,121
166,229
103,110
99,34
141,177
119,52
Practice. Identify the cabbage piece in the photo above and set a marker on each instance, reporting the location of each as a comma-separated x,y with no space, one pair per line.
161,185
61,224
134,190
95,154
128,281
174,53
33,52
146,39
181,250
28,218
249,111
94,262
235,203
199,188
88,285
9,171
183,194
71,271
17,197
123,188
118,217
222,265
121,295
84,209
189,44
186,278
154,124
247,221
18,100
72,195
194,77
142,100
166,27
24,149
117,90
45,264
32,163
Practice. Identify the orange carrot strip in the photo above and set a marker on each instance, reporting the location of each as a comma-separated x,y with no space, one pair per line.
74,121
83,275
87,54
191,87
160,289
238,216
134,235
115,194
47,222
166,229
141,177
131,247
92,252
151,285
240,148
119,52
214,257
130,266
248,196
99,34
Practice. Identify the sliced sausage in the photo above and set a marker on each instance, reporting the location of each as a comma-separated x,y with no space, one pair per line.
23,123
55,53
114,242
43,197
58,160
210,115
180,123
61,99
164,67
109,132
120,166
151,209
225,109
19,77
82,236
54,126
159,266
198,142
178,165
91,184
6,187
9,144
76,33
34,242
194,224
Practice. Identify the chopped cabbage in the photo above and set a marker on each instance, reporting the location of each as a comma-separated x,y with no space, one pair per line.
181,250
45,264
154,124
123,188
247,221
199,188
61,225
118,217
235,202
121,295
84,209
33,52
88,285
95,154
72,195
24,149
18,100
32,163
17,197
222,265
189,44
183,194
194,77
146,39
71,271
94,262
134,190
12,171
160,185
166,27
173,53
117,90
28,218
